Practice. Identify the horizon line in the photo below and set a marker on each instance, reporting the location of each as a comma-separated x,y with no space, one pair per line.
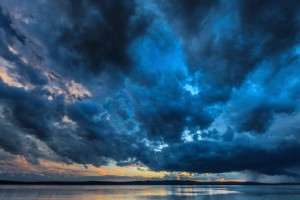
144,182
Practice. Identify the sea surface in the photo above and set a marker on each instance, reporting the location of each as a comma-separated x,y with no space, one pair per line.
21,192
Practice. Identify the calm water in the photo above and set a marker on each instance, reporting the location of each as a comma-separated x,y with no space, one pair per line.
150,192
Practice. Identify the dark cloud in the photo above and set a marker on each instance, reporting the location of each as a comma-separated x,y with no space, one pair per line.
207,86
31,110
7,25
257,119
217,157
166,115
92,141
228,40
276,24
191,14
97,34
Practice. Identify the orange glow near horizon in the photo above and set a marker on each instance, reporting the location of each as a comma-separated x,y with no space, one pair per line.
226,180
44,168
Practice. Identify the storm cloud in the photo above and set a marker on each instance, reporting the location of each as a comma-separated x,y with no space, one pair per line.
176,86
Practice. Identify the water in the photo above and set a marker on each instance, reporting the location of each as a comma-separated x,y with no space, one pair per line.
21,192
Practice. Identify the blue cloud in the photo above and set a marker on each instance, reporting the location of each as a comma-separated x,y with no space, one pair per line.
198,86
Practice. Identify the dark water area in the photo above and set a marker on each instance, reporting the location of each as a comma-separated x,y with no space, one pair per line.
32,192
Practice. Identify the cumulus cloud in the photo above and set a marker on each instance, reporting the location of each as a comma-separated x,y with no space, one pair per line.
197,86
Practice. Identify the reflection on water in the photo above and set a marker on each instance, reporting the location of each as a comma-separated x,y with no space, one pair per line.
150,192
198,190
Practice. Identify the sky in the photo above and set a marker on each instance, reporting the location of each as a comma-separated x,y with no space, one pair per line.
205,90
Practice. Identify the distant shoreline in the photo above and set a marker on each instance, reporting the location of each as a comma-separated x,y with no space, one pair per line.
171,182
